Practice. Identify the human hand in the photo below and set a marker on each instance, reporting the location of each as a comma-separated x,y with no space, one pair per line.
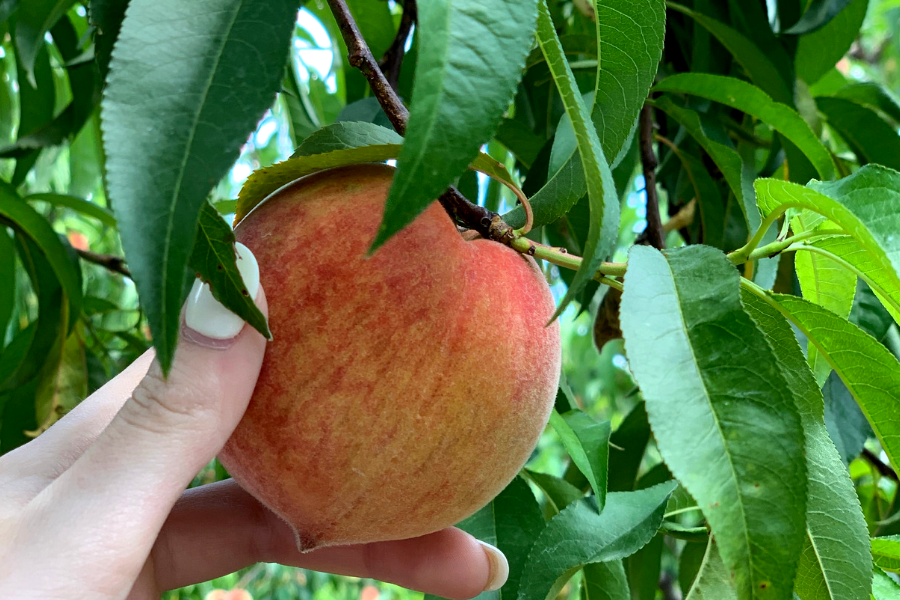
96,507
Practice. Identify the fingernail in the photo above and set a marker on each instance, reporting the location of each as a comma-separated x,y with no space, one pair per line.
206,316
499,567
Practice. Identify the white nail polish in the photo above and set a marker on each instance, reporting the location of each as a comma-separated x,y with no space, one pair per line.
205,315
499,567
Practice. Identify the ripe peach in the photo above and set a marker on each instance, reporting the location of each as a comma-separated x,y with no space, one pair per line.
402,391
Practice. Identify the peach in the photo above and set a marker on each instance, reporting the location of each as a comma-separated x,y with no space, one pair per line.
402,391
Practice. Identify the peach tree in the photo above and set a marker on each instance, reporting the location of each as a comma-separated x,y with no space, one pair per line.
751,281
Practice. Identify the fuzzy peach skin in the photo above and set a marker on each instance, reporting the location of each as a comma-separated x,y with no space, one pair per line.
402,391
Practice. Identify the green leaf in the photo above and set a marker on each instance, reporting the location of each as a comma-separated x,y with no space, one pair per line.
869,313
818,52
750,99
873,95
106,16
601,189
884,588
346,135
8,277
627,446
835,557
871,138
868,369
722,153
559,492
759,67
605,581
466,76
709,200
690,346
587,442
864,205
886,553
818,14
85,207
511,522
578,536
847,425
264,182
689,564
520,140
28,222
828,284
631,37
33,20
214,260
713,581
173,123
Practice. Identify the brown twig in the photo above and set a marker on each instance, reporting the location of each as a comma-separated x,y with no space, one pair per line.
485,222
116,264
393,58
885,469
654,233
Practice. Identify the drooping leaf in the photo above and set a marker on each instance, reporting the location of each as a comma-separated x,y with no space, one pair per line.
871,138
605,581
689,564
106,16
709,200
722,153
512,522
868,369
175,120
587,442
631,38
601,189
818,52
886,553
689,343
559,492
751,100
85,207
627,446
466,77
214,260
818,14
835,557
847,425
869,313
759,67
713,581
7,275
54,131
33,20
874,95
578,536
28,222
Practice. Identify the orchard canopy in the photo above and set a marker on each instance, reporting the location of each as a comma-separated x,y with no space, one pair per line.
711,187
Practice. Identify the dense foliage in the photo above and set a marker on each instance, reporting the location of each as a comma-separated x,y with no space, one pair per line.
714,197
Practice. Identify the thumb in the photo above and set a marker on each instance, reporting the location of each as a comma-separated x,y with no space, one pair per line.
169,428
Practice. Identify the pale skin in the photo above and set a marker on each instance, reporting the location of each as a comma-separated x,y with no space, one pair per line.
96,507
